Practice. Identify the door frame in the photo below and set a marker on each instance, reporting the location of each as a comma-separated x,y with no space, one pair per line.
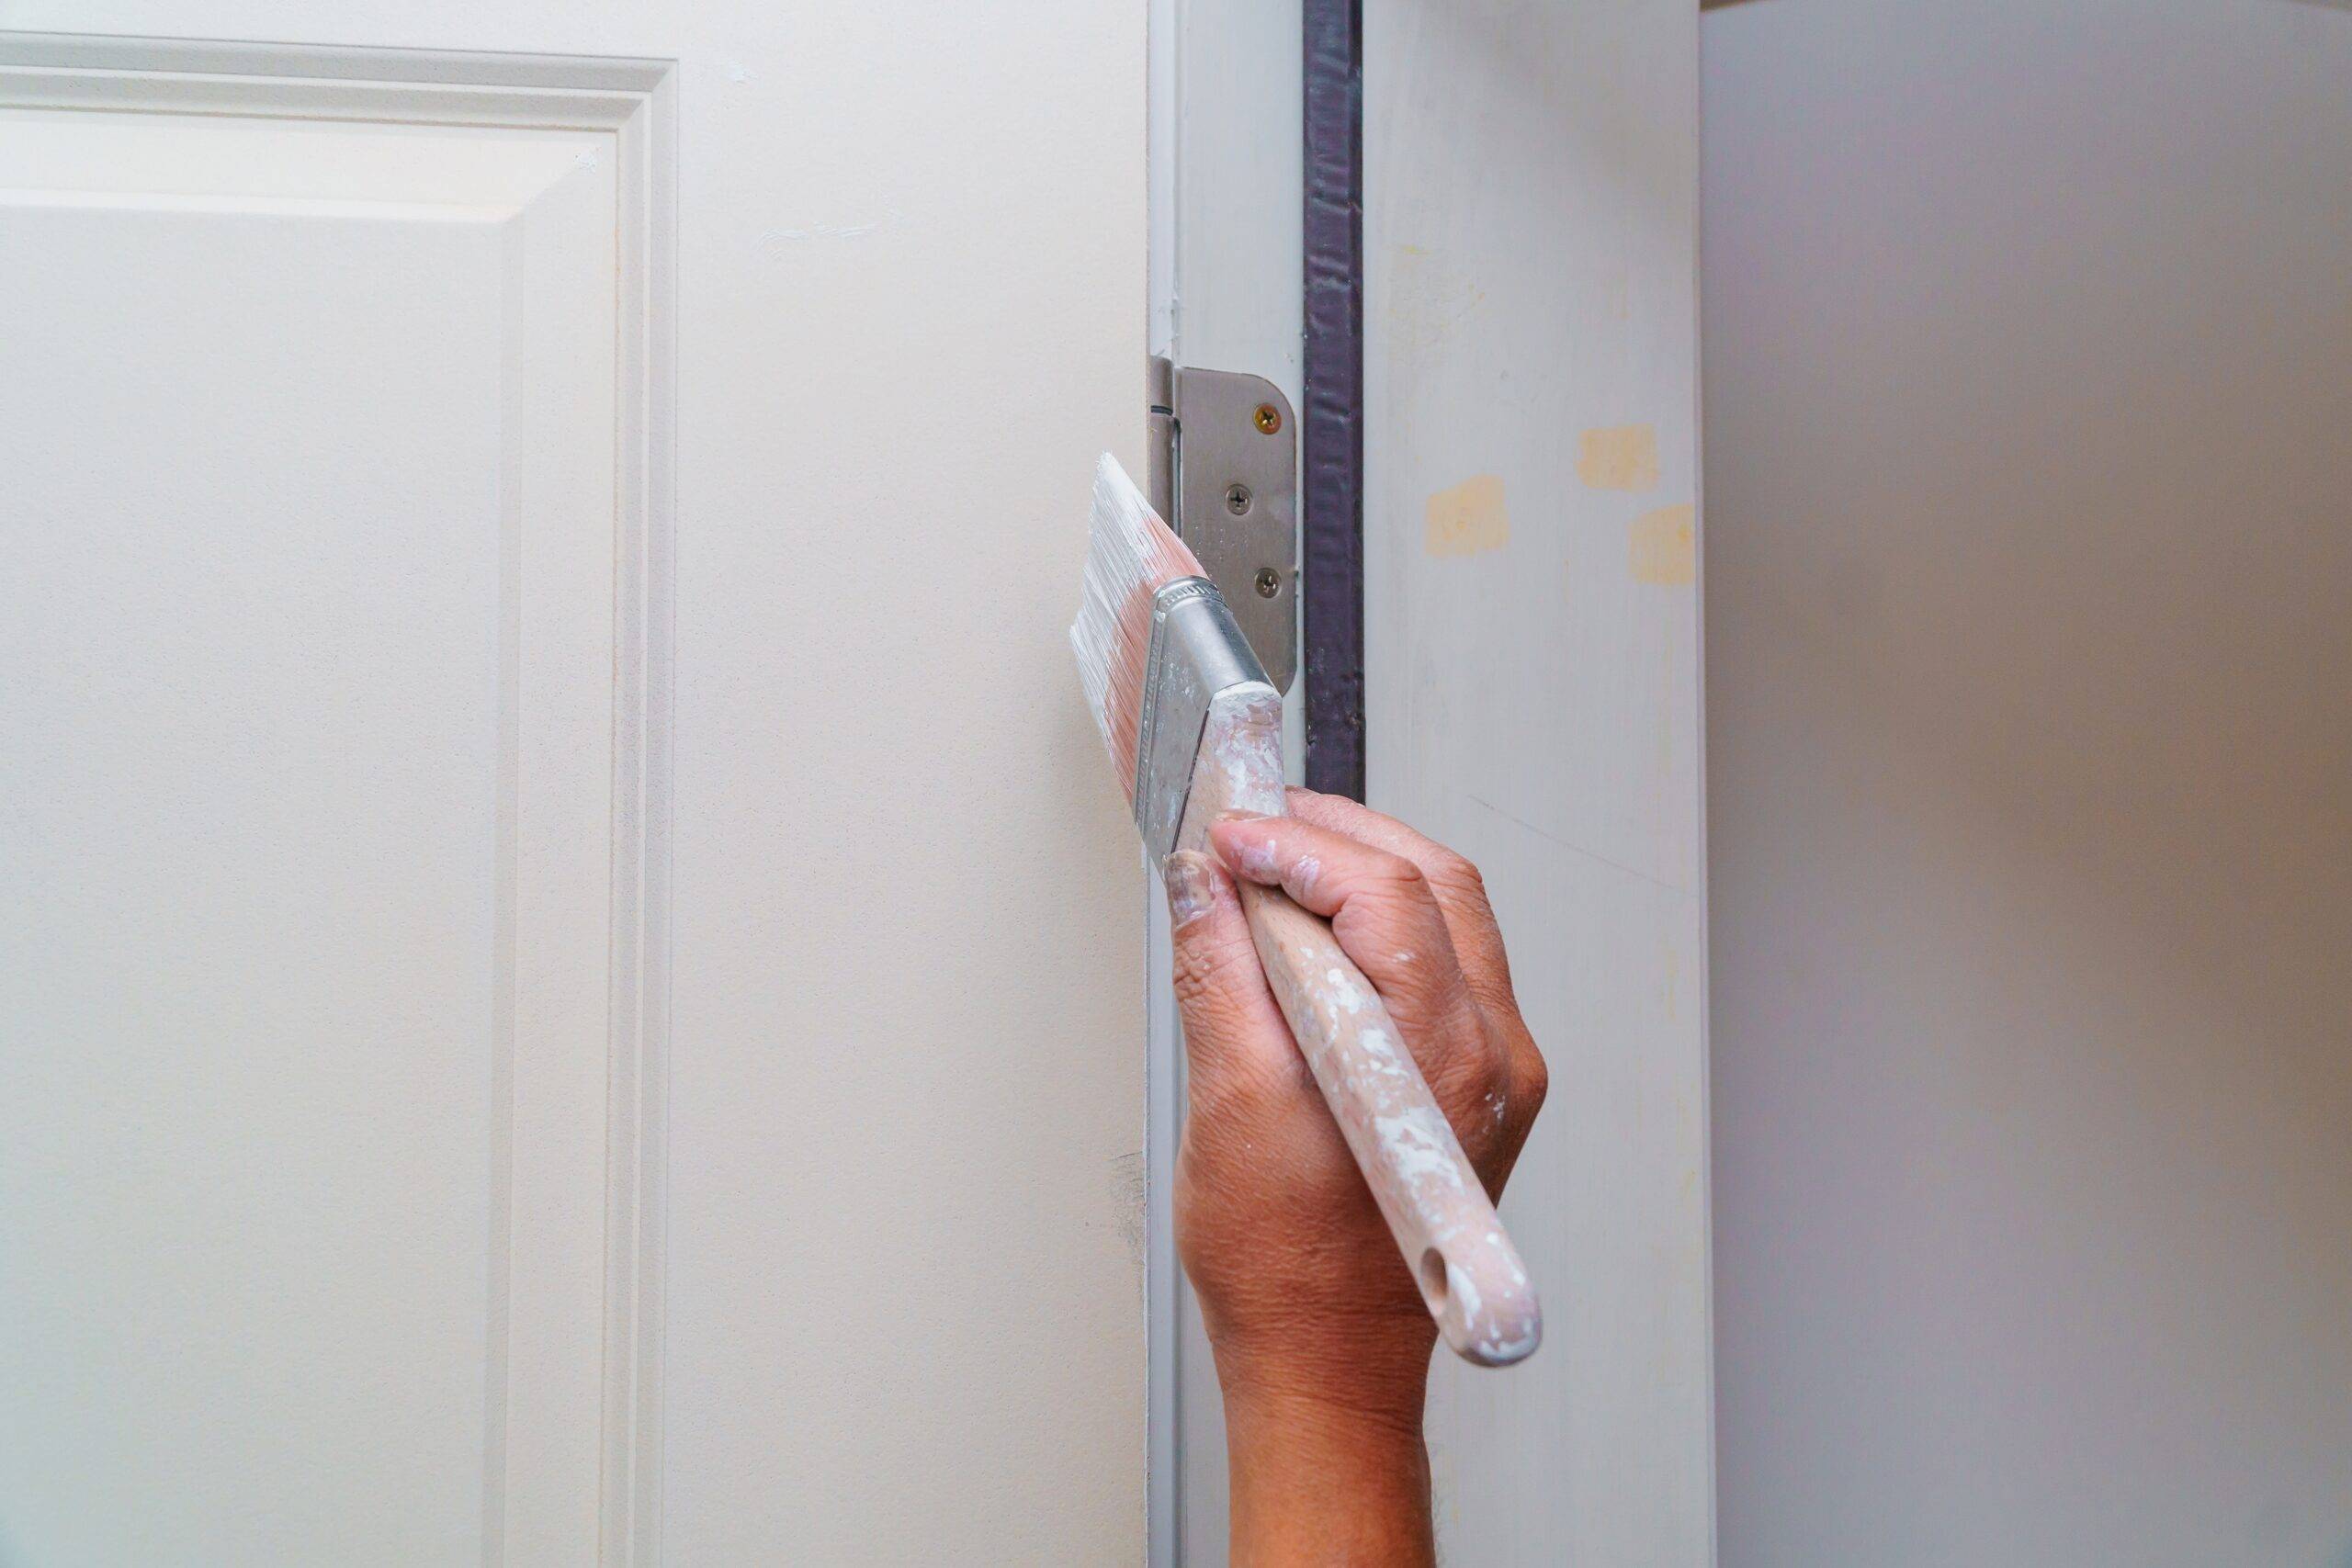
1390,276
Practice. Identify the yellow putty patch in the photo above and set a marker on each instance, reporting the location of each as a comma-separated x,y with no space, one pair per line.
1663,545
1619,457
1467,518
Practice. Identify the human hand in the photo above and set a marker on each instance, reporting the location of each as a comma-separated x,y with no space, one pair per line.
1319,1330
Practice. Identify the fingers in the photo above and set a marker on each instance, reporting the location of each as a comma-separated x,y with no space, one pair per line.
1460,891
1236,1042
1383,912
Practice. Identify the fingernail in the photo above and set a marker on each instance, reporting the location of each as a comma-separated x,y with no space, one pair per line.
1188,890
1254,861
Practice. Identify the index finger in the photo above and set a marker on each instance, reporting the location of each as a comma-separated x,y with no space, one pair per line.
1461,892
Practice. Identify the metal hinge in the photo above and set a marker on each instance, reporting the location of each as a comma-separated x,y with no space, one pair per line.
1225,474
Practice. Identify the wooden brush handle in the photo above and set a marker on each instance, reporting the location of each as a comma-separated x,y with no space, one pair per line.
1470,1275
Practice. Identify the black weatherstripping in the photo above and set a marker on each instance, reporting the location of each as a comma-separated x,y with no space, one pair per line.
1331,437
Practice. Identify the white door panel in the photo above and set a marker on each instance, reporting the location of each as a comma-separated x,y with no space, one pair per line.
355,1206
315,514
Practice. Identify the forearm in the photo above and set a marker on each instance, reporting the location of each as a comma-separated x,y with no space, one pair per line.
1321,1334
1315,1486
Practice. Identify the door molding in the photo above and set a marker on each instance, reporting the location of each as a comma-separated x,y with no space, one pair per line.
577,1173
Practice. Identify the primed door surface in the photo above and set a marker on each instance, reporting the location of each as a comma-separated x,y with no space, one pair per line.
570,990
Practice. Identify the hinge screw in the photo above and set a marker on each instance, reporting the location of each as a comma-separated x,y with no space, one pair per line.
1267,418
1269,583
1236,500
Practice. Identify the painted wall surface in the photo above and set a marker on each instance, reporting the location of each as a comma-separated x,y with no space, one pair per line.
2028,379
903,1320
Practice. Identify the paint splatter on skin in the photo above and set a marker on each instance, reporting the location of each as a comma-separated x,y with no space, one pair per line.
1308,869
1662,548
1619,457
1466,519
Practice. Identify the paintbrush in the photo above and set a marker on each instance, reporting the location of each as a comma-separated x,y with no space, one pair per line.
1194,731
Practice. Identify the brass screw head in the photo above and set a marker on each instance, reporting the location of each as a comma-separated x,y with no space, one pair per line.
1268,419
1269,583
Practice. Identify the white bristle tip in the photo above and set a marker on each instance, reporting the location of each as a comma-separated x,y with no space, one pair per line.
1130,552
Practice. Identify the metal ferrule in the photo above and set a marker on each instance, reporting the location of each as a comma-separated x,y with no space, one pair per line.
1198,654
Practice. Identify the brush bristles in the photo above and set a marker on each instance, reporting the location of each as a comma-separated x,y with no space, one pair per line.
1130,557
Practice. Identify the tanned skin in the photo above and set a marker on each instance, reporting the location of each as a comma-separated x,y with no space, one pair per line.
1322,1343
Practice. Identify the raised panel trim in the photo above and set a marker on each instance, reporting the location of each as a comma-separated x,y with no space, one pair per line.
633,99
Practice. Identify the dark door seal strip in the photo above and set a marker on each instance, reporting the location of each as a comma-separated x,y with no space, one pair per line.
1331,439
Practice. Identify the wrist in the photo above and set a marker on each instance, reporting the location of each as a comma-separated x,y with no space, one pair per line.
1319,1481
1374,1370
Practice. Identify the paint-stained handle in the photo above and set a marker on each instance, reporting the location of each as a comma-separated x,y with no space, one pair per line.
1470,1275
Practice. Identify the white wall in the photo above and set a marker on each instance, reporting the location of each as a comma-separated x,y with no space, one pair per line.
2028,340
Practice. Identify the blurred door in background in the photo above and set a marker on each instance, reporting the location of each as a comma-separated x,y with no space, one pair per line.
2029,414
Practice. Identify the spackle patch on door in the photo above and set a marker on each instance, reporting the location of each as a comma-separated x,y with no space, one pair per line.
1618,456
1663,547
1467,518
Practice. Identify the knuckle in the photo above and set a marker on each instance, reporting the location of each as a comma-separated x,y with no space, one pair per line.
1205,975
1394,880
1456,873
1532,1079
1463,1068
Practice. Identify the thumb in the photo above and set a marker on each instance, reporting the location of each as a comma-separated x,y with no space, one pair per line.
1236,1042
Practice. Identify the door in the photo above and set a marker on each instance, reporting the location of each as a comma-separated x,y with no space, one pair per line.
570,990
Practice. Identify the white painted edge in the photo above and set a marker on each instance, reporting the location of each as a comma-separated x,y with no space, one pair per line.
1225,294
1163,1120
